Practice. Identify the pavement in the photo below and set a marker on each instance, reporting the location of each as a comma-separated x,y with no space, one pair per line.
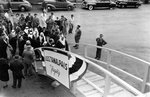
35,86
126,30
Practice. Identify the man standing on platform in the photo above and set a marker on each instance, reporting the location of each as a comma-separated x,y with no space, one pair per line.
100,42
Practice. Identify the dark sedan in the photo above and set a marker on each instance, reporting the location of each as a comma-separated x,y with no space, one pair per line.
128,3
91,4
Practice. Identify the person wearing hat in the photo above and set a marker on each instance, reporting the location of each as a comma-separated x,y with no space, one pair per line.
16,20
53,16
28,58
41,39
71,24
13,41
4,45
22,22
100,42
36,21
29,20
78,33
26,30
16,66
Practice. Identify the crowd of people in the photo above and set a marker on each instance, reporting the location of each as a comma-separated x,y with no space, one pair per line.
20,35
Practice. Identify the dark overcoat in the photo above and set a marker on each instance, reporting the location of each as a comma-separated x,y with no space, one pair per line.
16,67
3,48
4,76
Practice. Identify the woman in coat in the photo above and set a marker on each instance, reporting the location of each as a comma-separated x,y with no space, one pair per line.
4,76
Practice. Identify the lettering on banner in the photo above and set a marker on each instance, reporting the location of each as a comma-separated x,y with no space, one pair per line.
54,71
56,61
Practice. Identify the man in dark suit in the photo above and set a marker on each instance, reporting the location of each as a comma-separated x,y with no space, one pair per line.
29,20
100,42
77,36
36,22
16,66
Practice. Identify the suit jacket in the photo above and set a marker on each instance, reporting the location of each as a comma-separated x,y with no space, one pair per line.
100,42
16,67
3,48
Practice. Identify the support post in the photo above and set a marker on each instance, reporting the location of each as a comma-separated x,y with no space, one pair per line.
107,79
145,78
107,86
108,60
73,88
85,51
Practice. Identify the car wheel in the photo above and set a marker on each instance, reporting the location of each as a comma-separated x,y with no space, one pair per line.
69,8
22,8
136,6
122,6
49,8
90,7
119,6
111,7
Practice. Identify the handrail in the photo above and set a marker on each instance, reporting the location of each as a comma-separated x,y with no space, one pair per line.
108,64
131,56
123,83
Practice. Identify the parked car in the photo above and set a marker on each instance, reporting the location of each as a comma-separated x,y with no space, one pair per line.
128,3
22,5
91,4
57,4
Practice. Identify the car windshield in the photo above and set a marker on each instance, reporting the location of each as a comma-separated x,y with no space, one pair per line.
134,0
90,0
103,0
61,0
122,0
50,0
2,0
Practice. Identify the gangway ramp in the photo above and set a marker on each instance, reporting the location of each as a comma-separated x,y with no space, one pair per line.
93,85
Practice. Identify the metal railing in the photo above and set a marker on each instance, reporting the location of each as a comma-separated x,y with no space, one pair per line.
110,66
108,78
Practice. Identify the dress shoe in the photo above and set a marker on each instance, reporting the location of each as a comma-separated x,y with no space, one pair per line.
5,86
13,87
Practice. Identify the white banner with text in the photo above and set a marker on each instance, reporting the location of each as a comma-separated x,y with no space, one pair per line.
57,66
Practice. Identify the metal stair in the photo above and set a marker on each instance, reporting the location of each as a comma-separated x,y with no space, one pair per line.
87,90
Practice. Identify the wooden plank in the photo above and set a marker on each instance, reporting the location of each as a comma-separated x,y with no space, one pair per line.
88,93
94,77
95,95
100,84
90,74
123,94
85,88
116,90
81,82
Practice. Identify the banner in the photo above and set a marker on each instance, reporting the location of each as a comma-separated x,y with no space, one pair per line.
57,66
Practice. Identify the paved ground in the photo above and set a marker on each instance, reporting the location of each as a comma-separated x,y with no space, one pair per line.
126,30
